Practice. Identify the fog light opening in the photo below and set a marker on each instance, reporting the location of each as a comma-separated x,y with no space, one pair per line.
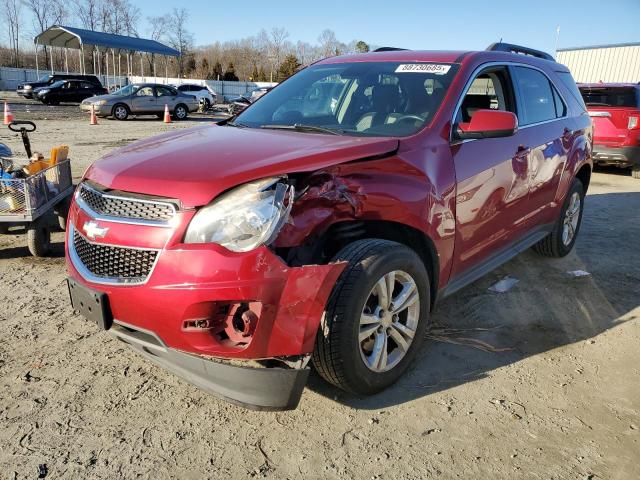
242,323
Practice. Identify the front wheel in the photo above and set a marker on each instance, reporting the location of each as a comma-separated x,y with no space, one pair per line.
376,317
635,171
565,232
180,112
120,112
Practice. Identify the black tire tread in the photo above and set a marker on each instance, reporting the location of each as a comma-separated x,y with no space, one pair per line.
325,358
38,240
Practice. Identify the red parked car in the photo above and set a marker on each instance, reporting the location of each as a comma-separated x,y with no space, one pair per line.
321,225
615,110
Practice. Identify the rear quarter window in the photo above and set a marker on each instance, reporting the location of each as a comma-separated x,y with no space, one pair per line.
568,81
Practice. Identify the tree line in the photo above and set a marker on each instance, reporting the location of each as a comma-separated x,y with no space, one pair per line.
267,56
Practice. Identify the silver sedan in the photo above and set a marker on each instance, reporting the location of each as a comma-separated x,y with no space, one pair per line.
142,99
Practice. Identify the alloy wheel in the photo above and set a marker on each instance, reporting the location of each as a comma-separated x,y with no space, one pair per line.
571,219
180,113
389,321
120,112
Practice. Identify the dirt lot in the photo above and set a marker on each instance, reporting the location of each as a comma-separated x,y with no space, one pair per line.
540,382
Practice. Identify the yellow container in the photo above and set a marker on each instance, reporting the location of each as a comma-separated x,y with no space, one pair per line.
58,154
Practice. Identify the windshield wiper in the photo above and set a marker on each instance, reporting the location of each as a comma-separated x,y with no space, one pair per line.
304,128
235,124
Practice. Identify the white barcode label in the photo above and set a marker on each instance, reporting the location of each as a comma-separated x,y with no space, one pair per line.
435,68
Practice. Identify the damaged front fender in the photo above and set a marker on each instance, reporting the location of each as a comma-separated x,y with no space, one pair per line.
302,305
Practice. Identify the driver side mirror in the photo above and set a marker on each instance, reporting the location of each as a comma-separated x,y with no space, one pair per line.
488,124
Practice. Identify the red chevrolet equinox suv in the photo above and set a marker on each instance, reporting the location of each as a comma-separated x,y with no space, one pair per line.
320,226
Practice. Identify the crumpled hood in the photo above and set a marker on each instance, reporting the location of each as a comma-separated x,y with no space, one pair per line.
197,164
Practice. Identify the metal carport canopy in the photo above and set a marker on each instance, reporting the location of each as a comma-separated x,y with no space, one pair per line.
72,37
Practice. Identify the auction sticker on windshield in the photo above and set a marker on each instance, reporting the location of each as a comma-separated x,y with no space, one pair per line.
438,69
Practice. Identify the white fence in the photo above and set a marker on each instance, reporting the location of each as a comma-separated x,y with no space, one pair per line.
10,78
223,89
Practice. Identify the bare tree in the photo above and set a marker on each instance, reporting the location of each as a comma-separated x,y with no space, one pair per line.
88,12
274,46
46,13
120,17
328,43
13,16
178,36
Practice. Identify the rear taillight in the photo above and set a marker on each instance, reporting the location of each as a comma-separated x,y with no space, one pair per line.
633,122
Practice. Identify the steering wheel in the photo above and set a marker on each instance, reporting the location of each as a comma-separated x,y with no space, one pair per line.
13,126
403,118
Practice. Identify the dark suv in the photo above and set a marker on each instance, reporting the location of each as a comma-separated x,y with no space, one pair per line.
26,89
323,223
615,110
74,91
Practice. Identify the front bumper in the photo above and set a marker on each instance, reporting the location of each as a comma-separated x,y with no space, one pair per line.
256,388
101,110
25,93
619,156
189,283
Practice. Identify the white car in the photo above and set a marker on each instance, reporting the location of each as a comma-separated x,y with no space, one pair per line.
203,93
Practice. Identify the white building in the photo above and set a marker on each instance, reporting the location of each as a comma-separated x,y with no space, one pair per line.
606,63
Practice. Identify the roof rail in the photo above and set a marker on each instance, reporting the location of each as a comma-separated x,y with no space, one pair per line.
388,49
509,47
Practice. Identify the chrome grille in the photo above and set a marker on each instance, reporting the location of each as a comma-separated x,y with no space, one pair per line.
107,263
125,208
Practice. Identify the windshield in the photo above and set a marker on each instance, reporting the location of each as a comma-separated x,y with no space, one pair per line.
125,91
360,98
610,96
44,78
57,84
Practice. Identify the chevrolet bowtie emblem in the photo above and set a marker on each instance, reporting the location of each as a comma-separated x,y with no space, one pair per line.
93,230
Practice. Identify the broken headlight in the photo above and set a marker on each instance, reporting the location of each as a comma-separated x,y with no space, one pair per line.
245,217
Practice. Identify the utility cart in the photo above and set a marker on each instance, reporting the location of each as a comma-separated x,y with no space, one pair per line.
35,196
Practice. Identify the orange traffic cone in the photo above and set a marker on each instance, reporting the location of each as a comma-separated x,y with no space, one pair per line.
93,120
167,117
8,116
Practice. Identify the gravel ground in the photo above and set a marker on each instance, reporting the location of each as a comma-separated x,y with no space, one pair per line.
538,382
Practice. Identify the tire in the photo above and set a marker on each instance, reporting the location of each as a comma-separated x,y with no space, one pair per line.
556,244
38,239
207,104
62,212
635,171
4,229
180,112
340,356
120,112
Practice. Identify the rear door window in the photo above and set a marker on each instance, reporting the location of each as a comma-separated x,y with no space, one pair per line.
145,92
536,95
165,92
